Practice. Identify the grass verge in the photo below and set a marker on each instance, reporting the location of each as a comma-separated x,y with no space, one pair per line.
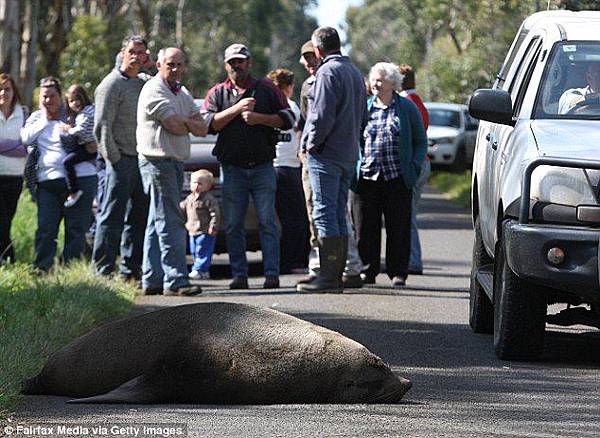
41,313
456,185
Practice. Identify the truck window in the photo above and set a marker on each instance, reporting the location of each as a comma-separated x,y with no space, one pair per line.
518,101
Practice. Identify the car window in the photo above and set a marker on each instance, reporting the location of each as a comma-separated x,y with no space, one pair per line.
514,86
443,117
570,85
518,101
501,77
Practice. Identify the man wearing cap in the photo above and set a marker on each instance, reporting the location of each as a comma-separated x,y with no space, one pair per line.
244,111
331,135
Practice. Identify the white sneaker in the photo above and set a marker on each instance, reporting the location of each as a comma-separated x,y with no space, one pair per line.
73,198
194,275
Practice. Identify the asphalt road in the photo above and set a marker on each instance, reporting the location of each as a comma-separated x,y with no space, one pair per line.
459,387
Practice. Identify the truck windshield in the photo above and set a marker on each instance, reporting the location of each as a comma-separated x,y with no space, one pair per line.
570,87
440,117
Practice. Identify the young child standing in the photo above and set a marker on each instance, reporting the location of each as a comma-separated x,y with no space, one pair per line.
78,138
202,217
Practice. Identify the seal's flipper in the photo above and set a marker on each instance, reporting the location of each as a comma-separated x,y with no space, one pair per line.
141,390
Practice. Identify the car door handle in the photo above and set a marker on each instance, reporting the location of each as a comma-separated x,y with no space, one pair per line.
492,139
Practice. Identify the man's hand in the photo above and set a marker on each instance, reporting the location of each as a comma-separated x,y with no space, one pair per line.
212,231
250,117
246,104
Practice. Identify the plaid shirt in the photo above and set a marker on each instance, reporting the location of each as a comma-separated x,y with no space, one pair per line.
381,151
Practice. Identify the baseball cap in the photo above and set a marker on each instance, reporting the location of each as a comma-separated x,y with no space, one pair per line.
238,51
307,47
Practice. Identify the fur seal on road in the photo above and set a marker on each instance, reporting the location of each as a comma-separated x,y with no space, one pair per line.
217,353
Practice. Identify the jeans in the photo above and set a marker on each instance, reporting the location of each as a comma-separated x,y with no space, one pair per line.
330,181
10,190
202,247
51,196
122,219
164,263
392,199
291,209
416,261
238,184
79,155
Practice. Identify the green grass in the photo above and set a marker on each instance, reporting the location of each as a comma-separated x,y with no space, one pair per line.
41,313
456,185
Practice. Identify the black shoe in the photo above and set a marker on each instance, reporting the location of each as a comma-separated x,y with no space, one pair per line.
271,282
153,291
184,291
310,277
367,278
398,282
239,283
415,271
352,281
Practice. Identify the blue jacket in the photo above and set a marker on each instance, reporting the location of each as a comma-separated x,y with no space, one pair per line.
413,139
336,111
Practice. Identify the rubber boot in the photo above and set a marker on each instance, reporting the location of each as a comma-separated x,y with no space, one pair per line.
329,278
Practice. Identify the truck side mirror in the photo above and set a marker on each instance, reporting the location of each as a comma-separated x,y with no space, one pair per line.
491,105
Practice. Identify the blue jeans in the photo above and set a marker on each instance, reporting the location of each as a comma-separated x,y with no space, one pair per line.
164,264
122,218
202,247
415,261
330,181
238,185
51,196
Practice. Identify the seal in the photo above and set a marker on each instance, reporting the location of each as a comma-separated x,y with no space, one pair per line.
216,353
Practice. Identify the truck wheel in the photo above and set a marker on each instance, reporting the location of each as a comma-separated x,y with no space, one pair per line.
519,313
481,312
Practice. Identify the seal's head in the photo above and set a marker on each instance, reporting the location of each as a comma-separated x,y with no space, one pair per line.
368,379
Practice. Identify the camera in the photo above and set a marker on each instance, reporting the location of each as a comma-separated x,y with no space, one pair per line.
279,136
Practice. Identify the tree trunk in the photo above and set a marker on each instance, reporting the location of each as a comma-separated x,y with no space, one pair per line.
29,50
179,24
9,35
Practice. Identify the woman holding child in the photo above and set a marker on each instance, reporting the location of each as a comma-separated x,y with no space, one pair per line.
44,132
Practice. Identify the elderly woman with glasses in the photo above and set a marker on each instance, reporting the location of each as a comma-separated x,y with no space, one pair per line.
393,149
42,135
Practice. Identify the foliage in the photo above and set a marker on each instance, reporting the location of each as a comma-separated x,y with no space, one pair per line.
84,59
457,186
40,314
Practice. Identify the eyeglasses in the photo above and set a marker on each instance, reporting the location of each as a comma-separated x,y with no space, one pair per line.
49,81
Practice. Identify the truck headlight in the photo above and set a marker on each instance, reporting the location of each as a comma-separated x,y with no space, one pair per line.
564,185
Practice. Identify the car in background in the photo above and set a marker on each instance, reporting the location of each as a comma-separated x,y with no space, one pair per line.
201,157
451,135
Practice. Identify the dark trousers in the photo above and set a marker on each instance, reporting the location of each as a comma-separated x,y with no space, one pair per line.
392,200
79,155
10,190
291,209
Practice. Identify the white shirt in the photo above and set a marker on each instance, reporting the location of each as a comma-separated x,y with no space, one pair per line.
47,134
572,97
287,151
9,130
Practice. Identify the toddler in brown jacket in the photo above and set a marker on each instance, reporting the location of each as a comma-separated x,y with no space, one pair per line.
202,218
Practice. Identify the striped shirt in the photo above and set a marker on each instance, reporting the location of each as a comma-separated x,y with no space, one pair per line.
381,153
157,102
84,125
12,152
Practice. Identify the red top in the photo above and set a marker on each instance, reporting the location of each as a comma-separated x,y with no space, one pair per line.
417,101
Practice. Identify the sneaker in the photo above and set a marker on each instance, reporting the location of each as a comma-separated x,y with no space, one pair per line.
271,282
367,279
73,198
352,281
398,282
194,275
185,291
239,283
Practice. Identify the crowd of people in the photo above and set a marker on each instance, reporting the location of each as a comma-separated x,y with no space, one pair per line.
329,169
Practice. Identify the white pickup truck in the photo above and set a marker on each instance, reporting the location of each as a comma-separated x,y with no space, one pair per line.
536,185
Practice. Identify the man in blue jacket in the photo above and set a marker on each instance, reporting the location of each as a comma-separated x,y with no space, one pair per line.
331,136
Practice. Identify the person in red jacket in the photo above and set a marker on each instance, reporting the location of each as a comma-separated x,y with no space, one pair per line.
415,264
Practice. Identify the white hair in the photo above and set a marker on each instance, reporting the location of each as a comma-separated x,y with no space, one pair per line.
390,72
160,57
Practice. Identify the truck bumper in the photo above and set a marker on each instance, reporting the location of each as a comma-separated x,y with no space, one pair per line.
527,247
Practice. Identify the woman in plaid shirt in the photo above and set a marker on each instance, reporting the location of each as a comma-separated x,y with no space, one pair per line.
393,148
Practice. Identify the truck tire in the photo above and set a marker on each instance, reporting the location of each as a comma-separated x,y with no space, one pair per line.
519,313
481,311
